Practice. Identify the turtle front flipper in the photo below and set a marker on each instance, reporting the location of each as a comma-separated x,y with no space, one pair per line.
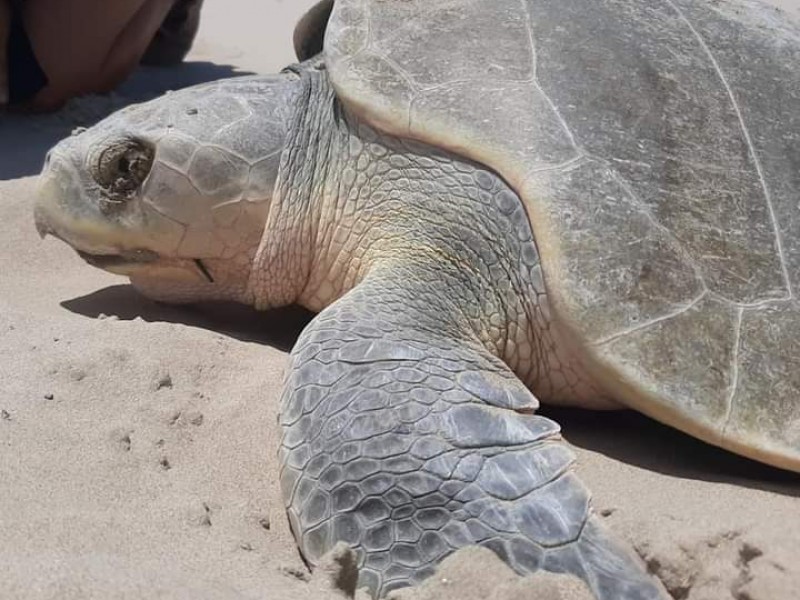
408,440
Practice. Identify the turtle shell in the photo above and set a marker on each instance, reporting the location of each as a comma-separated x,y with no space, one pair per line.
656,148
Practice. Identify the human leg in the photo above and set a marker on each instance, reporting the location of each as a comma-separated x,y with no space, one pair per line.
86,46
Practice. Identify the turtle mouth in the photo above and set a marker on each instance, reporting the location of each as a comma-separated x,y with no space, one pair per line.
123,261
132,261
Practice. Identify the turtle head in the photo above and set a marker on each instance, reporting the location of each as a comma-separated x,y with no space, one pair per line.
174,193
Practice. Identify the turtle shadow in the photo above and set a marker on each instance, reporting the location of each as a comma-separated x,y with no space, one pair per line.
26,138
635,439
278,328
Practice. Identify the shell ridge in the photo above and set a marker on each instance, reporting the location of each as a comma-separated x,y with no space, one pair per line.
748,140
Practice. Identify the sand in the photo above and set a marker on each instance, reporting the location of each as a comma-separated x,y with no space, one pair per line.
138,441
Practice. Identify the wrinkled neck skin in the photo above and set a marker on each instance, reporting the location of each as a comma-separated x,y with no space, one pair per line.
350,200
306,182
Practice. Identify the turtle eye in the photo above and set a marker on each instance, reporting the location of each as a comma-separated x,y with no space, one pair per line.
122,167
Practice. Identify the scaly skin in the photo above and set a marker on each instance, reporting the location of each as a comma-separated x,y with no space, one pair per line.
379,200
406,432
408,428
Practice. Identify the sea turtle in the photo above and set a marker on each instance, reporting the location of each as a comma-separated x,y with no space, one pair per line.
583,202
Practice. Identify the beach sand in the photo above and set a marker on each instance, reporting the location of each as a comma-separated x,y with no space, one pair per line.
138,441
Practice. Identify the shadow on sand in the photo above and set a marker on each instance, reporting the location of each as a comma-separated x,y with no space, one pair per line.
26,138
635,439
625,436
278,328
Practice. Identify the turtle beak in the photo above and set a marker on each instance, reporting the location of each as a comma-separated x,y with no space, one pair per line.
40,213
43,208
42,227
59,211
54,212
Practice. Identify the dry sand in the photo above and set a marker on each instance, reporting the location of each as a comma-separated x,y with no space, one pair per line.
138,441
